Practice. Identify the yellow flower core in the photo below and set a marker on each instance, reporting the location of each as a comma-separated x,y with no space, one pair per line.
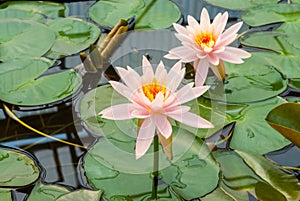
152,89
205,39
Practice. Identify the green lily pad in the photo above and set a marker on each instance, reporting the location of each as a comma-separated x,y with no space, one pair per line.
82,195
149,14
5,194
240,4
22,83
284,183
72,36
282,118
46,192
17,169
21,38
255,133
271,13
21,14
50,9
248,82
218,194
294,83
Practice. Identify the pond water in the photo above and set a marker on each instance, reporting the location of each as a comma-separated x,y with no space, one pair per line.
62,164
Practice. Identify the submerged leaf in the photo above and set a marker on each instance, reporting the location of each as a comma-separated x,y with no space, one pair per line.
21,38
17,169
284,119
72,36
287,184
149,14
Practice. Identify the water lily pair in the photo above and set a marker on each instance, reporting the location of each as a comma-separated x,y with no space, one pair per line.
154,97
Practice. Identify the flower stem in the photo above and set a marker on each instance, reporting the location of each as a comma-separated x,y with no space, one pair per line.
155,167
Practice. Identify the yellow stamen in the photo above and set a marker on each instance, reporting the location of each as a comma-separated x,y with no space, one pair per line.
152,89
205,39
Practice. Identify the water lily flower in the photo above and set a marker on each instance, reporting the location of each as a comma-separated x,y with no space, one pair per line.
153,99
206,45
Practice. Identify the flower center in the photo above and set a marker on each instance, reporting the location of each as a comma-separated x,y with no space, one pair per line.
205,40
152,89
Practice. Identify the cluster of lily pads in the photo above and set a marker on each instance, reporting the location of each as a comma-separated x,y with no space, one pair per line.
251,91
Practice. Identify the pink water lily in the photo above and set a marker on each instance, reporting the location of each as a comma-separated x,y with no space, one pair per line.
206,45
154,99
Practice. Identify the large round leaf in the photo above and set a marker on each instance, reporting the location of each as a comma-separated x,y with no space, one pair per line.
253,134
17,169
72,36
20,38
294,83
82,195
5,194
111,163
271,13
21,14
247,82
149,14
50,9
21,83
239,4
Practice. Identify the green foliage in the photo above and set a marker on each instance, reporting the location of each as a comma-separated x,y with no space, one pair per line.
17,169
240,4
149,14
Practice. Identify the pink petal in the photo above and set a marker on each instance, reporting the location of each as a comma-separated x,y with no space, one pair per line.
204,20
184,53
161,73
140,113
171,56
148,73
185,38
213,59
118,112
215,70
177,109
157,103
144,138
193,24
193,93
121,89
229,35
233,55
180,29
163,125
129,78
192,119
201,72
220,26
175,76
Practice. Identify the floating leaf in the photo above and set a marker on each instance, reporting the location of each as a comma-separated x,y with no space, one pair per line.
284,119
248,82
21,38
271,13
72,36
46,192
287,184
22,84
17,169
106,171
218,194
5,194
50,9
239,4
150,14
254,132
21,14
81,195
294,83
266,192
